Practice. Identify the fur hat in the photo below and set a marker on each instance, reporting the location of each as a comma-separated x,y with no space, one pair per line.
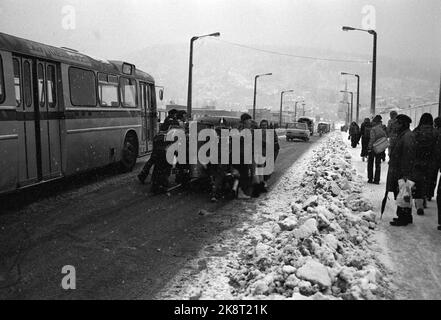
403,118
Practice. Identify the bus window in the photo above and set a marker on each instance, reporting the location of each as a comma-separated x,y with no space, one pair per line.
40,77
27,89
82,87
108,90
51,91
128,92
16,65
2,84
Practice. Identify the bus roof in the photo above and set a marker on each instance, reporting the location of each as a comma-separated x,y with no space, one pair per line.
65,55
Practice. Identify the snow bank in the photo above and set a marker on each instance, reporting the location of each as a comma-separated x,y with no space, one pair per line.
309,239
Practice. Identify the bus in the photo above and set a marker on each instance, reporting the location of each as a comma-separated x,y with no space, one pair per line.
63,112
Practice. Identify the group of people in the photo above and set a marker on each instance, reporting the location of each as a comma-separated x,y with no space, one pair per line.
414,156
225,180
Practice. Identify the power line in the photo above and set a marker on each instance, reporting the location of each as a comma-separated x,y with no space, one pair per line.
290,55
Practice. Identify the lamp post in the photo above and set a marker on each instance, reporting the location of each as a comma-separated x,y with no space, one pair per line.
295,109
439,105
374,63
281,103
254,99
190,69
352,102
358,93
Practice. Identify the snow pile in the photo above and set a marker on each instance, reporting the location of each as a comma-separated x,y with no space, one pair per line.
320,247
310,239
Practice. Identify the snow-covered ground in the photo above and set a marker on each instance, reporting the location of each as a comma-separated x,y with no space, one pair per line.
310,237
412,253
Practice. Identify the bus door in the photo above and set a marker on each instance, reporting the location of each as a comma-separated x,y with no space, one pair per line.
48,120
23,75
39,133
147,134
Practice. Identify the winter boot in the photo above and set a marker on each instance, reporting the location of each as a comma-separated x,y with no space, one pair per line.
407,215
402,219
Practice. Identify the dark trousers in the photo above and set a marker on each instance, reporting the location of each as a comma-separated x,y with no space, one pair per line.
245,177
373,157
438,201
149,164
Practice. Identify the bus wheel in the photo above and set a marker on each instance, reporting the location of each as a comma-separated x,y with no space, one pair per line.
129,153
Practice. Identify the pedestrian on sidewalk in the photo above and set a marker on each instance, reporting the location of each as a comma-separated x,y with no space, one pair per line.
383,154
376,133
354,134
434,175
438,167
365,133
392,133
401,165
425,161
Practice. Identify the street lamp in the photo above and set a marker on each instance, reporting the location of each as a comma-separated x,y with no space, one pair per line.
255,83
374,63
358,93
281,98
295,109
352,102
190,69
439,105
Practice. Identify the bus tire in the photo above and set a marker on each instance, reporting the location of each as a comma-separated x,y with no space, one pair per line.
129,152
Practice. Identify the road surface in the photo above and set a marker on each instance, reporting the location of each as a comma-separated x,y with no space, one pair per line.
123,242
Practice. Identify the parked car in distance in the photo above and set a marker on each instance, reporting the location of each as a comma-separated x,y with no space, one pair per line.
323,127
297,130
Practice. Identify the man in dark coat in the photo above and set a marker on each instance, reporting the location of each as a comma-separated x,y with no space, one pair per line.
365,132
434,174
354,134
425,142
392,133
376,133
401,165
438,167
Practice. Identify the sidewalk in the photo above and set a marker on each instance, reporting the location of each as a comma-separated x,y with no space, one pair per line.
413,252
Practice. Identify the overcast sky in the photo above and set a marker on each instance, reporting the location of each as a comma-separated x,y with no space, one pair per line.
112,28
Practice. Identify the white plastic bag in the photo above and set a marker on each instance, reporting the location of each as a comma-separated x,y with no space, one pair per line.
404,198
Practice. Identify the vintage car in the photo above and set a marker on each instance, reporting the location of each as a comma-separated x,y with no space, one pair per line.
297,130
323,127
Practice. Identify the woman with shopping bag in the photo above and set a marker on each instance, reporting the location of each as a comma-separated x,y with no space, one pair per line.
401,164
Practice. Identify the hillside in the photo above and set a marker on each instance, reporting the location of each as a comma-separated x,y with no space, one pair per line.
223,75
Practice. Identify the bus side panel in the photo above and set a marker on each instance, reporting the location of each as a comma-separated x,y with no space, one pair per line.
8,129
96,142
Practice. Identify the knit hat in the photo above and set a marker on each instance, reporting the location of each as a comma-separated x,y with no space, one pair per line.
403,118
377,118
